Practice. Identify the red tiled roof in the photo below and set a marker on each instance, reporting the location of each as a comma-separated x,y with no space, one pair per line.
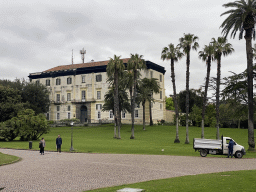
82,65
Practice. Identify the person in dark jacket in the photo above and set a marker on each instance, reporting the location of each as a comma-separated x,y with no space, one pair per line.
58,143
42,146
230,148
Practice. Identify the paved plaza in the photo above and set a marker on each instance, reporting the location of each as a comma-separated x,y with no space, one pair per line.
85,171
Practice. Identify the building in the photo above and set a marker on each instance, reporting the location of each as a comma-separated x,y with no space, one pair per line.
77,91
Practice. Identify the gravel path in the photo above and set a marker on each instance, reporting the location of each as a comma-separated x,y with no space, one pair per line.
83,171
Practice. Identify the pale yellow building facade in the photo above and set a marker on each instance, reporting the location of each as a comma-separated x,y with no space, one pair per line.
78,90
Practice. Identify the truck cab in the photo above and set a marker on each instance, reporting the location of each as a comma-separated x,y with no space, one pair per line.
238,150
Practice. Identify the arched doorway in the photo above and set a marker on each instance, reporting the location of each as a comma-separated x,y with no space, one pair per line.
83,117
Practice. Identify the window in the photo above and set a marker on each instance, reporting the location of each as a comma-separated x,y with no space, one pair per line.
58,97
161,106
68,115
68,96
58,82
99,115
98,106
58,116
123,114
161,94
69,108
47,82
48,116
83,79
58,108
83,95
98,78
37,82
111,115
151,74
69,80
98,94
137,105
136,113
160,78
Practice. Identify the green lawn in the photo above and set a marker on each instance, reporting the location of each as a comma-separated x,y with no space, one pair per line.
7,159
152,141
226,181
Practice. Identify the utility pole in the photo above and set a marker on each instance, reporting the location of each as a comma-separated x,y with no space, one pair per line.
72,58
82,52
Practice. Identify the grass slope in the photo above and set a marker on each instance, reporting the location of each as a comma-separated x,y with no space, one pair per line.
152,141
226,181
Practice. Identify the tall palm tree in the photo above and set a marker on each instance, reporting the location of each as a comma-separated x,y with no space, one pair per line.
135,63
242,17
115,67
221,47
207,54
145,87
186,43
173,53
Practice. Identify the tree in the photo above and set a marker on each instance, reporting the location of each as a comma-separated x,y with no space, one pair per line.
36,97
146,88
195,98
115,67
169,103
173,53
11,103
135,63
186,43
207,54
242,17
221,47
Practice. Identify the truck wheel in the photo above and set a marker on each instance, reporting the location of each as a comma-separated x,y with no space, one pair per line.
203,152
239,154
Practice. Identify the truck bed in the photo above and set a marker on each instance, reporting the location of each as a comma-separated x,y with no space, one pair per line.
207,144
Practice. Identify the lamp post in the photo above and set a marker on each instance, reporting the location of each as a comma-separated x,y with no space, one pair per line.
71,148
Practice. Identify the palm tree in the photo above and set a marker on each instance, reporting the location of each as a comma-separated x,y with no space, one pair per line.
115,67
186,43
173,53
207,54
146,87
242,18
135,63
221,47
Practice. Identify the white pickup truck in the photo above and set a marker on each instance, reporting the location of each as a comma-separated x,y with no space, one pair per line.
217,147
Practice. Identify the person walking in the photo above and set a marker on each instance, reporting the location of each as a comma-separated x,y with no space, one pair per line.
230,148
42,146
58,143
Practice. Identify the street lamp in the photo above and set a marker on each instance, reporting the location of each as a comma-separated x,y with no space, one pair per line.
71,148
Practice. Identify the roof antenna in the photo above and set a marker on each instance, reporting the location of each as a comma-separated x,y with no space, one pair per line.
72,60
82,52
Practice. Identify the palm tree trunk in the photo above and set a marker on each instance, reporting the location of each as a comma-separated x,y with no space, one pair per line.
133,102
150,114
248,38
205,92
116,104
115,128
177,140
144,119
218,97
187,96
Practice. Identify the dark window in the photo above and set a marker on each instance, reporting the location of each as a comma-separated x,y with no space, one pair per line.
58,82
58,97
69,80
98,78
48,82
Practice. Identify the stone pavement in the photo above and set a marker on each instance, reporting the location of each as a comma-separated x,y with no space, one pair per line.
84,171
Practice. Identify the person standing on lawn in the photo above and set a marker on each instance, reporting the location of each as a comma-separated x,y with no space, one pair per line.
42,146
230,148
58,143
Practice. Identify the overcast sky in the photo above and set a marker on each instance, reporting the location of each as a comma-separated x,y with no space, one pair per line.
38,35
